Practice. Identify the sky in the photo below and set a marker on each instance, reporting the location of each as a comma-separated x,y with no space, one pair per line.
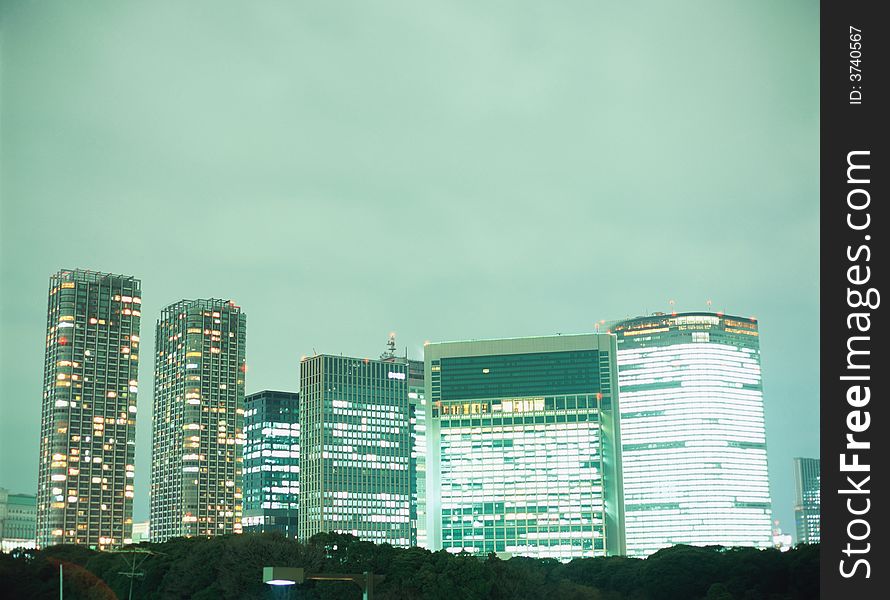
442,170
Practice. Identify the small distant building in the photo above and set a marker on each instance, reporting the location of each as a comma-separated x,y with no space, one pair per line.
781,541
141,532
807,504
18,520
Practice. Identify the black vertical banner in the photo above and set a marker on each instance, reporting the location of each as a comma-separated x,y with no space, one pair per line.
855,436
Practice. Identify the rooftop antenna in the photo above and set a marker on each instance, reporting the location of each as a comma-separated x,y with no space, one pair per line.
672,303
390,352
709,303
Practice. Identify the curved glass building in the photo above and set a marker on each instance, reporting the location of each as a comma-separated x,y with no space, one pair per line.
693,435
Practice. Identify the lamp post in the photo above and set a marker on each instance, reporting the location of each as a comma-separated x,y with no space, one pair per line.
297,575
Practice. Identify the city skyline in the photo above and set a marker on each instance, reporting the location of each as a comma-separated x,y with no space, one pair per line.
390,355
536,184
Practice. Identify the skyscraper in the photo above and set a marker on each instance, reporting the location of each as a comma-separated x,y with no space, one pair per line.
272,462
523,444
88,422
198,421
807,502
693,435
355,448
417,464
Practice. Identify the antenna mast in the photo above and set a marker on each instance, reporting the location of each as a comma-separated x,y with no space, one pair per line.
390,352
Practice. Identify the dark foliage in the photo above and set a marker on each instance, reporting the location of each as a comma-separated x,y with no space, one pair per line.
231,567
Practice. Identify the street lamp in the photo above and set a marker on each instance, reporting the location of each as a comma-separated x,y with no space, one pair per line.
282,575
296,575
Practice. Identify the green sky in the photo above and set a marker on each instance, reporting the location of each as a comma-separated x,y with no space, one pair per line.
443,170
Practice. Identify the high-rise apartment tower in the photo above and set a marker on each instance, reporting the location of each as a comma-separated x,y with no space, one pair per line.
88,422
198,422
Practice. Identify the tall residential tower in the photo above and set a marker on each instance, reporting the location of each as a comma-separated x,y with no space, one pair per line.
88,423
693,435
198,421
523,447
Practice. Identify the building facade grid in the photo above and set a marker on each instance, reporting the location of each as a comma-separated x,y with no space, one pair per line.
523,447
355,449
87,430
272,462
693,432
198,421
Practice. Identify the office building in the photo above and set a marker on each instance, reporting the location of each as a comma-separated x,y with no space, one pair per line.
355,449
693,436
88,422
807,503
198,421
417,464
272,462
18,521
523,447
141,532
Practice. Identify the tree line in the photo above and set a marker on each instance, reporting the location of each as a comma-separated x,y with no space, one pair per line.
230,567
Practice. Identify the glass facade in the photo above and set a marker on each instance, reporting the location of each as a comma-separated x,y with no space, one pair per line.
355,449
272,462
198,421
88,421
693,434
523,447
417,403
807,502
417,465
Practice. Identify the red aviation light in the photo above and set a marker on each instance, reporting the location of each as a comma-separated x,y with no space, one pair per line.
599,395
63,341
244,368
